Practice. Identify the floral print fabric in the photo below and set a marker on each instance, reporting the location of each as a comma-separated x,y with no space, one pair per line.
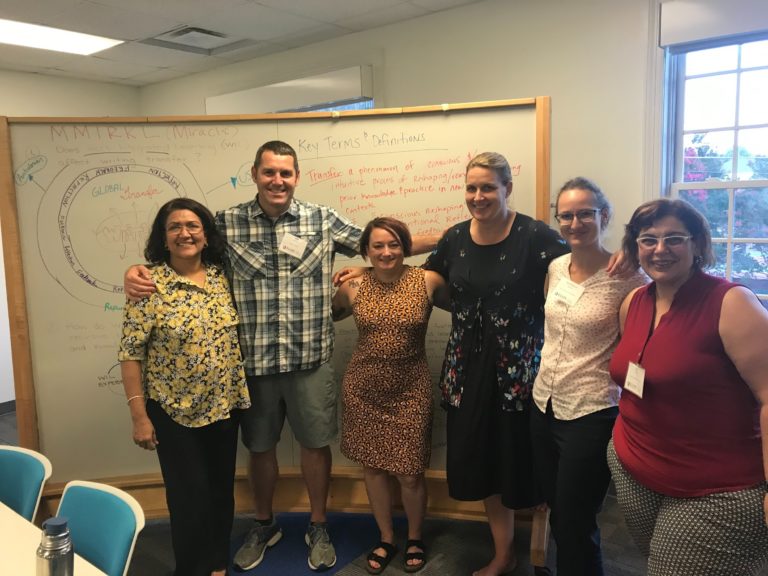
186,338
497,307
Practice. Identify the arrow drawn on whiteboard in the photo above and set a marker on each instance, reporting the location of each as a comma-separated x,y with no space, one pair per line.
36,183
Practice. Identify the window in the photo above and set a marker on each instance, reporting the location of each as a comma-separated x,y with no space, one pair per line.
338,106
718,150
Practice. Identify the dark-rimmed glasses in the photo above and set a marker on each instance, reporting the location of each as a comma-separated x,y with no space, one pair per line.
584,216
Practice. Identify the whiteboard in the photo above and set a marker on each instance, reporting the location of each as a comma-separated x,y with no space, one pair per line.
85,194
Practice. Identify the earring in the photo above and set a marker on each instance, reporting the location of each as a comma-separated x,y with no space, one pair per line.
697,261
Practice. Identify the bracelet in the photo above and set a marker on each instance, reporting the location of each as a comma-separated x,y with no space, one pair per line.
134,398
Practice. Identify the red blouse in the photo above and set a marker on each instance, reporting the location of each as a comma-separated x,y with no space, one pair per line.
696,430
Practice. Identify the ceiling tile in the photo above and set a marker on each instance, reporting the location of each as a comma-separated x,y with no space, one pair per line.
137,53
38,12
250,52
329,10
180,10
436,5
317,34
110,21
382,17
34,56
251,20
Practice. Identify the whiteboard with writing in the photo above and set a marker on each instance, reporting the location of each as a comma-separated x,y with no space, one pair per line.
87,192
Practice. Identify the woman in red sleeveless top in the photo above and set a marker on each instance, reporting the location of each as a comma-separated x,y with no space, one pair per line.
688,447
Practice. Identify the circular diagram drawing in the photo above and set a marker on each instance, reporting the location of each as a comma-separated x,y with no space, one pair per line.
93,223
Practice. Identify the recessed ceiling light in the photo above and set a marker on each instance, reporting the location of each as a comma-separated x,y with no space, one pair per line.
46,38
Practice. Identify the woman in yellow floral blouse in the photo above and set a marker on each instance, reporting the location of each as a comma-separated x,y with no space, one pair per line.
185,383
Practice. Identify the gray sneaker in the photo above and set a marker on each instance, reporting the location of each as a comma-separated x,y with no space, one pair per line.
257,541
322,554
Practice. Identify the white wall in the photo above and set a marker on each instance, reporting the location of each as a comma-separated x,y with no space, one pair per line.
590,56
25,94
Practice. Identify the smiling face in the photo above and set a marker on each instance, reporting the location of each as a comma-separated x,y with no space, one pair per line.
486,195
578,233
385,250
184,236
667,265
276,179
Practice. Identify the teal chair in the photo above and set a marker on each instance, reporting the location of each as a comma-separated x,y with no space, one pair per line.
23,473
104,522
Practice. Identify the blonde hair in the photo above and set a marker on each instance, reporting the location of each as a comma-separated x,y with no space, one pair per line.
492,161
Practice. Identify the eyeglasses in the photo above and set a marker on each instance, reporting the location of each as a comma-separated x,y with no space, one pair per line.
671,241
584,216
191,227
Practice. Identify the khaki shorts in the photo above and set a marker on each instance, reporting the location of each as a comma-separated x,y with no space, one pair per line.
309,399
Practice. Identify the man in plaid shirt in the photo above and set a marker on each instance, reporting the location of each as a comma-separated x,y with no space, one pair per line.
280,255
281,252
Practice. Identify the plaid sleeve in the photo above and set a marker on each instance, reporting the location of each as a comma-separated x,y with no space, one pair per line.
345,233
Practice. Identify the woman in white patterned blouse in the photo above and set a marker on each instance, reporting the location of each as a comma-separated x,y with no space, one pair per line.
575,400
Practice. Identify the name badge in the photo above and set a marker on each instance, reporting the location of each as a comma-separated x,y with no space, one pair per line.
292,245
635,379
568,291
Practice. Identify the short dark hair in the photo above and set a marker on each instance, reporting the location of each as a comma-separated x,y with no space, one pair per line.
394,226
156,250
581,183
650,212
279,148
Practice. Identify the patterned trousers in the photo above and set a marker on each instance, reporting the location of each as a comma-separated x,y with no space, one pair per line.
721,534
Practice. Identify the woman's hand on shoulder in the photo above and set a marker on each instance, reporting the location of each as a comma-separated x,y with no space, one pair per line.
621,266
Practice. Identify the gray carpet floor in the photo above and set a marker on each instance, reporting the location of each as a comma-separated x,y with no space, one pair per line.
456,548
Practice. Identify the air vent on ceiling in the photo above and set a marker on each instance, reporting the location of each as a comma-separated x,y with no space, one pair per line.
198,40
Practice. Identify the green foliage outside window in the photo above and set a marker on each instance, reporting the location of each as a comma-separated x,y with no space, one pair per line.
750,210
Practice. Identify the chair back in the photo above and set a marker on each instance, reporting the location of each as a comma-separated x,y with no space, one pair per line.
23,473
104,522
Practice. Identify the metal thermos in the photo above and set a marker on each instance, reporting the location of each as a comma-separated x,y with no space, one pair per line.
55,556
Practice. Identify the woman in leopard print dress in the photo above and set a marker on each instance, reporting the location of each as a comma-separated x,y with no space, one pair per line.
387,389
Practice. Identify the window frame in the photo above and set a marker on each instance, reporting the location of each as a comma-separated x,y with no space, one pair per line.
672,172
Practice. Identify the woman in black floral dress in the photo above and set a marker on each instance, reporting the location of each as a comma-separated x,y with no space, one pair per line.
494,264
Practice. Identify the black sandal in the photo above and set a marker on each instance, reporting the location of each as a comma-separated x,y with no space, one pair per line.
383,561
421,556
